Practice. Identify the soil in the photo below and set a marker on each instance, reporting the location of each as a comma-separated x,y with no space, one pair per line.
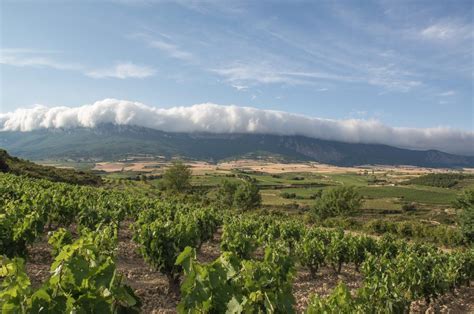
152,287
262,166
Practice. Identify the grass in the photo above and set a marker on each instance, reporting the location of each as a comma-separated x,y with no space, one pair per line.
382,204
411,194
348,179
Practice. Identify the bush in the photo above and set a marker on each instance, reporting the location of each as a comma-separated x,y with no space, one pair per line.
466,215
316,195
288,195
338,201
409,207
177,177
442,180
247,196
225,194
340,222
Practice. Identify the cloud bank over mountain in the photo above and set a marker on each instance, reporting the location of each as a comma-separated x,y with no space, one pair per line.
214,118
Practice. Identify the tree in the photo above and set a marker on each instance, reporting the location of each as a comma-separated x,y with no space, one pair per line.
247,196
225,194
4,166
465,203
3,161
177,177
337,201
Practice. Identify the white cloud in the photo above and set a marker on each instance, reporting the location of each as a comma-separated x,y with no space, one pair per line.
171,49
239,74
233,119
240,87
447,93
36,58
19,60
164,44
447,31
123,71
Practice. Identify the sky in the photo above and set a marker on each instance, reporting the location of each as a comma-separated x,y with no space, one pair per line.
402,63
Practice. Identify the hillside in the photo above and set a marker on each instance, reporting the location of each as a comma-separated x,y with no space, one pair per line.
113,142
19,166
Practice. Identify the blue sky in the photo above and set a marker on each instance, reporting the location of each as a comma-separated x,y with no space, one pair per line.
405,63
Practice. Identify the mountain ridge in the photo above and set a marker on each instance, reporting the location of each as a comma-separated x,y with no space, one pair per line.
110,141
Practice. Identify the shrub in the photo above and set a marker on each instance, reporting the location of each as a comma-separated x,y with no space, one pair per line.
466,215
247,196
288,195
338,201
409,207
225,194
442,180
177,177
316,195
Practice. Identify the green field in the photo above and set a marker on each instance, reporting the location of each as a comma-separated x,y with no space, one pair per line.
382,198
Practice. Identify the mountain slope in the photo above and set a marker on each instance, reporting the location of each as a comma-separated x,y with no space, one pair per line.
112,141
27,168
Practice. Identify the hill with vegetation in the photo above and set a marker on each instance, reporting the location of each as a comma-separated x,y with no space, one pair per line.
108,141
17,166
441,180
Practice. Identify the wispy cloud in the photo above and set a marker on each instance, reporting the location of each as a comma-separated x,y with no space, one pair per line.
123,71
447,93
165,45
388,77
448,30
171,49
239,87
239,74
42,59
391,78
31,58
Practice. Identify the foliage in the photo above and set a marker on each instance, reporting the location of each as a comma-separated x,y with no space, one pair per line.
466,215
339,301
164,230
247,196
28,205
392,282
83,279
444,235
337,201
19,226
3,165
232,285
288,195
409,207
338,250
177,177
442,180
316,195
311,253
240,237
24,167
225,194
359,248
58,239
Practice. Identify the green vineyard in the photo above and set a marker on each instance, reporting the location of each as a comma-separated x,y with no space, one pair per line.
254,272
